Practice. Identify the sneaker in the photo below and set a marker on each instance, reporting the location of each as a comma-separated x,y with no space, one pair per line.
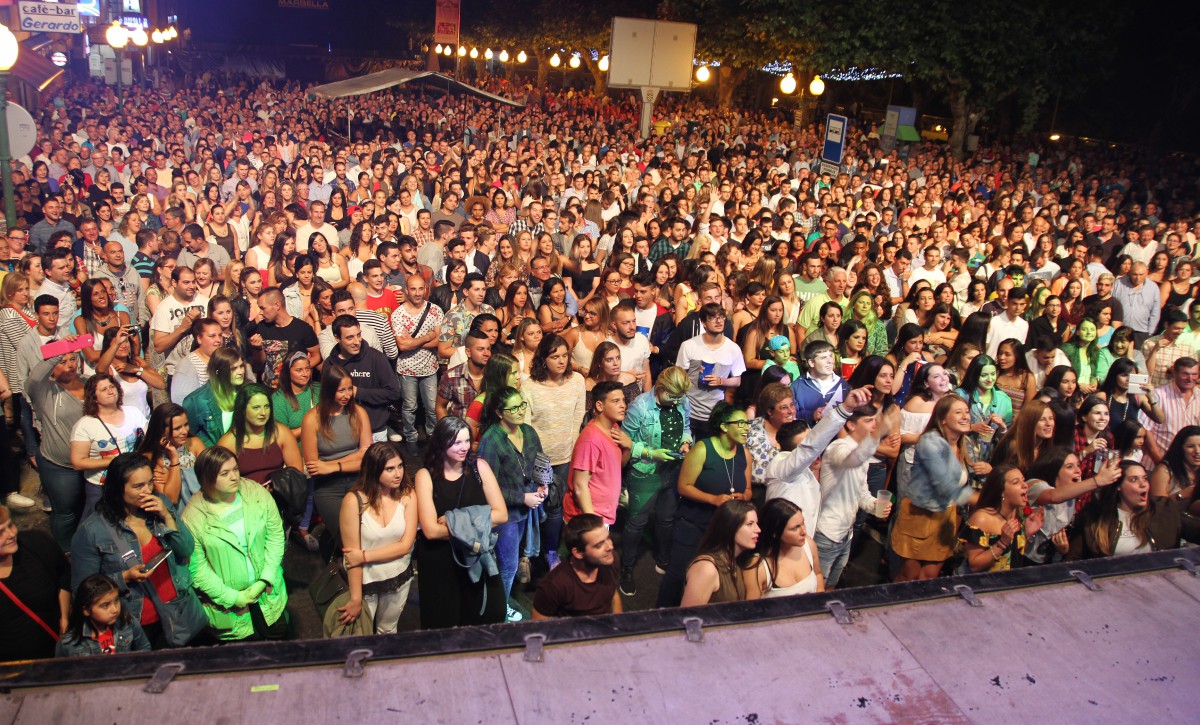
552,559
513,615
17,501
395,438
623,501
628,587
310,541
660,569
45,506
523,574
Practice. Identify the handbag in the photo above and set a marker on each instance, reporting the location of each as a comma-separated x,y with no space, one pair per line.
289,488
25,608
330,591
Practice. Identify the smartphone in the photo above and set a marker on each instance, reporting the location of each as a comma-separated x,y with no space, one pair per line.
1137,383
159,558
676,454
62,347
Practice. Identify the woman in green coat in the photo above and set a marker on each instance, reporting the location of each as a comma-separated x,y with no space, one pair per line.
237,566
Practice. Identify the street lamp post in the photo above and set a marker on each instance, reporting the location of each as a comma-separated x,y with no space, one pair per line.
8,58
117,37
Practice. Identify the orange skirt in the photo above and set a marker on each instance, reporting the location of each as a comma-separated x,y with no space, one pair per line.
924,535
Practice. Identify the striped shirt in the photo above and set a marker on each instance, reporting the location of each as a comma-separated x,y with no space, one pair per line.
14,326
1180,411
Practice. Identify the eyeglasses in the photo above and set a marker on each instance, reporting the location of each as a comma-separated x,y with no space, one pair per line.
518,408
738,423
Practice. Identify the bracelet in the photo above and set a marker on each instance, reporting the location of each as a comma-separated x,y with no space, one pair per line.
174,465
364,553
339,466
995,556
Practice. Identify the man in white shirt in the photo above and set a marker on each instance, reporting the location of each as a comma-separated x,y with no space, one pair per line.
715,365
634,347
931,271
1011,324
316,223
791,473
171,325
844,490
57,265
1044,357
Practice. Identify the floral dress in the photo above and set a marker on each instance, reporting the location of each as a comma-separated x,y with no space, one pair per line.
973,535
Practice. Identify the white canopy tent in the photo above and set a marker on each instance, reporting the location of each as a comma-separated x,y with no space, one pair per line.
399,76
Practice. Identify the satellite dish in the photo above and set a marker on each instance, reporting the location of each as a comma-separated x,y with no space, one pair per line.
22,131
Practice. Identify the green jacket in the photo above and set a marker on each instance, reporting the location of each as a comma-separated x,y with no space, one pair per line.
218,564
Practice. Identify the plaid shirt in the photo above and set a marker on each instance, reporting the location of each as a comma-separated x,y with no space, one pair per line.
663,247
523,224
457,389
423,237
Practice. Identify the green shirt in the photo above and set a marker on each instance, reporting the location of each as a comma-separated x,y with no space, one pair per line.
284,413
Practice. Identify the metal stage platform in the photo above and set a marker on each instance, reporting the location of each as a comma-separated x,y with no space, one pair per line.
1111,640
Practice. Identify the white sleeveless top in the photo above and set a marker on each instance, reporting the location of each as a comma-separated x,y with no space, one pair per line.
807,585
374,536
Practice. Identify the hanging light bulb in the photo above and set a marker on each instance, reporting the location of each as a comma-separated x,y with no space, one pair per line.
604,64
521,57
487,54
474,53
574,62
504,56
817,86
555,61
462,51
438,49
703,73
788,84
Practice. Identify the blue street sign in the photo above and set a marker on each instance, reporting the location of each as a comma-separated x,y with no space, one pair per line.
835,139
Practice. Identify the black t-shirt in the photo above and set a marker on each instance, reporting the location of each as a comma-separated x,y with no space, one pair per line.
39,572
279,341
562,594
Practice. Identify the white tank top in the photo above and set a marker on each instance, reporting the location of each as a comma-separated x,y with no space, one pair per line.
374,536
807,585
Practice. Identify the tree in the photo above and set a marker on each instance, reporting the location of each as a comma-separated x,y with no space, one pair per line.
977,57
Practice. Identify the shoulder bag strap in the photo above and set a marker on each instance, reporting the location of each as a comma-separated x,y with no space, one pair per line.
421,319
24,608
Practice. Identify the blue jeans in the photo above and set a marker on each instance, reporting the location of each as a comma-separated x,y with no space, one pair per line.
24,415
410,387
834,555
508,548
64,487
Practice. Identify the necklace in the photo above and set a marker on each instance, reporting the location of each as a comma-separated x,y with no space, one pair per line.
727,466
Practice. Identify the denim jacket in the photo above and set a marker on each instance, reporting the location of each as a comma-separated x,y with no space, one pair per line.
643,426
937,476
204,415
93,551
127,636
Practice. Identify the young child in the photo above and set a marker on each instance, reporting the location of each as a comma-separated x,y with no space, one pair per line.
780,352
99,624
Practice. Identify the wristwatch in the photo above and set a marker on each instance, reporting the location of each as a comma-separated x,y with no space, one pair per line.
138,372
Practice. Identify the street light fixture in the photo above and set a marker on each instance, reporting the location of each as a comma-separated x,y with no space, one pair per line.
504,56
555,61
474,53
574,62
817,86
9,50
488,54
438,49
117,37
703,74
521,57
462,51
788,84
604,64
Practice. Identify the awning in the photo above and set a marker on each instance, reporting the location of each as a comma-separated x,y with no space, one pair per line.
34,69
907,133
399,76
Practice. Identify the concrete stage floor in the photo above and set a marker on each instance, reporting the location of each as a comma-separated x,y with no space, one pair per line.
1056,653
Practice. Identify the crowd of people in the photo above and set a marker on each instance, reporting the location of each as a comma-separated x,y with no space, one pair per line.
486,345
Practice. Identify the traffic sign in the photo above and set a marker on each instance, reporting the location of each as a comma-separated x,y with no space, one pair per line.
835,139
831,169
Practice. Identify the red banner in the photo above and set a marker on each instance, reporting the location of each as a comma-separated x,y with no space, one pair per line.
447,22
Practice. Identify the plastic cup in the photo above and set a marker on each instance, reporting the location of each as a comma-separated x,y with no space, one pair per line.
882,500
707,365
